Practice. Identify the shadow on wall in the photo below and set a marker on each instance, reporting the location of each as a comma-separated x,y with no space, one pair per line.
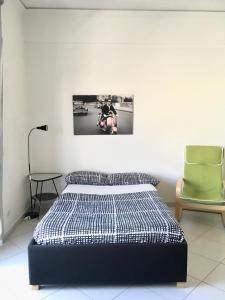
167,190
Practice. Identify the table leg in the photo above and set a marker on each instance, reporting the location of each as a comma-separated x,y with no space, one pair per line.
31,198
55,187
36,192
40,198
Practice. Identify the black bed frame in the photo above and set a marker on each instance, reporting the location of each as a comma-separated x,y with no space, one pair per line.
111,264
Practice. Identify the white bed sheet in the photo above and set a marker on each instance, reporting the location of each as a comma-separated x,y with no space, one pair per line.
107,189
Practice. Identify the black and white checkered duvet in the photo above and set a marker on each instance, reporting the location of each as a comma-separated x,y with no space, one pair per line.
138,217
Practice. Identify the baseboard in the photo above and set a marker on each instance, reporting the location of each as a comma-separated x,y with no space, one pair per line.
6,234
18,220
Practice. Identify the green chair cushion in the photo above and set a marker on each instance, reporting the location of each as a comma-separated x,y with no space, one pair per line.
203,181
204,154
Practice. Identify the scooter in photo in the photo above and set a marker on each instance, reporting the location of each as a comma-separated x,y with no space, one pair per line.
108,123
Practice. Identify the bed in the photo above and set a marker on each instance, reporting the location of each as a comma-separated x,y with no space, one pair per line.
101,234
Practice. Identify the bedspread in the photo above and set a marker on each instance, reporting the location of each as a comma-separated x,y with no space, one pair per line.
137,217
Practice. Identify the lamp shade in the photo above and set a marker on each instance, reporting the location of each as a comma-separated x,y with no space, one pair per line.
42,127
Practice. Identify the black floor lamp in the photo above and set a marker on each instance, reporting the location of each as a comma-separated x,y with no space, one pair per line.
32,214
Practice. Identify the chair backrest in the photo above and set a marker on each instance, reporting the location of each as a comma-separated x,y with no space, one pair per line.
203,174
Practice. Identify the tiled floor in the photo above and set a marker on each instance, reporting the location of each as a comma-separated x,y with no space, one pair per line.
204,232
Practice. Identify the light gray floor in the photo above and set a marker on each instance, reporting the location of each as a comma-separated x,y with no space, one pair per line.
206,268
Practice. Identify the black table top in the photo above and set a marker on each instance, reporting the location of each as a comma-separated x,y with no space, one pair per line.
44,176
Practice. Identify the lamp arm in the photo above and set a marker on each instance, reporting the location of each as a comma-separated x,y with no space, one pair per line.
28,149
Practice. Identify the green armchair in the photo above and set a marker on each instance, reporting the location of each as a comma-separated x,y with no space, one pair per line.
202,187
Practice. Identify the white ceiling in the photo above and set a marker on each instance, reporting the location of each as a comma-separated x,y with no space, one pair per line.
183,5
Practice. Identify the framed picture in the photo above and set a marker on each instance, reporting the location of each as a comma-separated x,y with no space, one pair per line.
102,114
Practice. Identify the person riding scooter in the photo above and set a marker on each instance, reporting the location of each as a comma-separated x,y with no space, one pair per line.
106,108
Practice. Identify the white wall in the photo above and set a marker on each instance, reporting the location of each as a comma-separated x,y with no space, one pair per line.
15,189
173,62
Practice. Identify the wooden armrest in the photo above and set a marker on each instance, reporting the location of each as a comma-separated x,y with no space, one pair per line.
179,187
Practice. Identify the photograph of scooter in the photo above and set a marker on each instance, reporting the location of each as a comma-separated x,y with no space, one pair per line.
103,114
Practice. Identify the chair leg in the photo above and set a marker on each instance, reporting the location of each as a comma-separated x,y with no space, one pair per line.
223,217
178,212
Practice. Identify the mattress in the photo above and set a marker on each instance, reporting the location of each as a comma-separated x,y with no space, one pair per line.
107,189
108,214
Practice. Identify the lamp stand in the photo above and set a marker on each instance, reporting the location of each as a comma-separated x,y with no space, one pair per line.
32,214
